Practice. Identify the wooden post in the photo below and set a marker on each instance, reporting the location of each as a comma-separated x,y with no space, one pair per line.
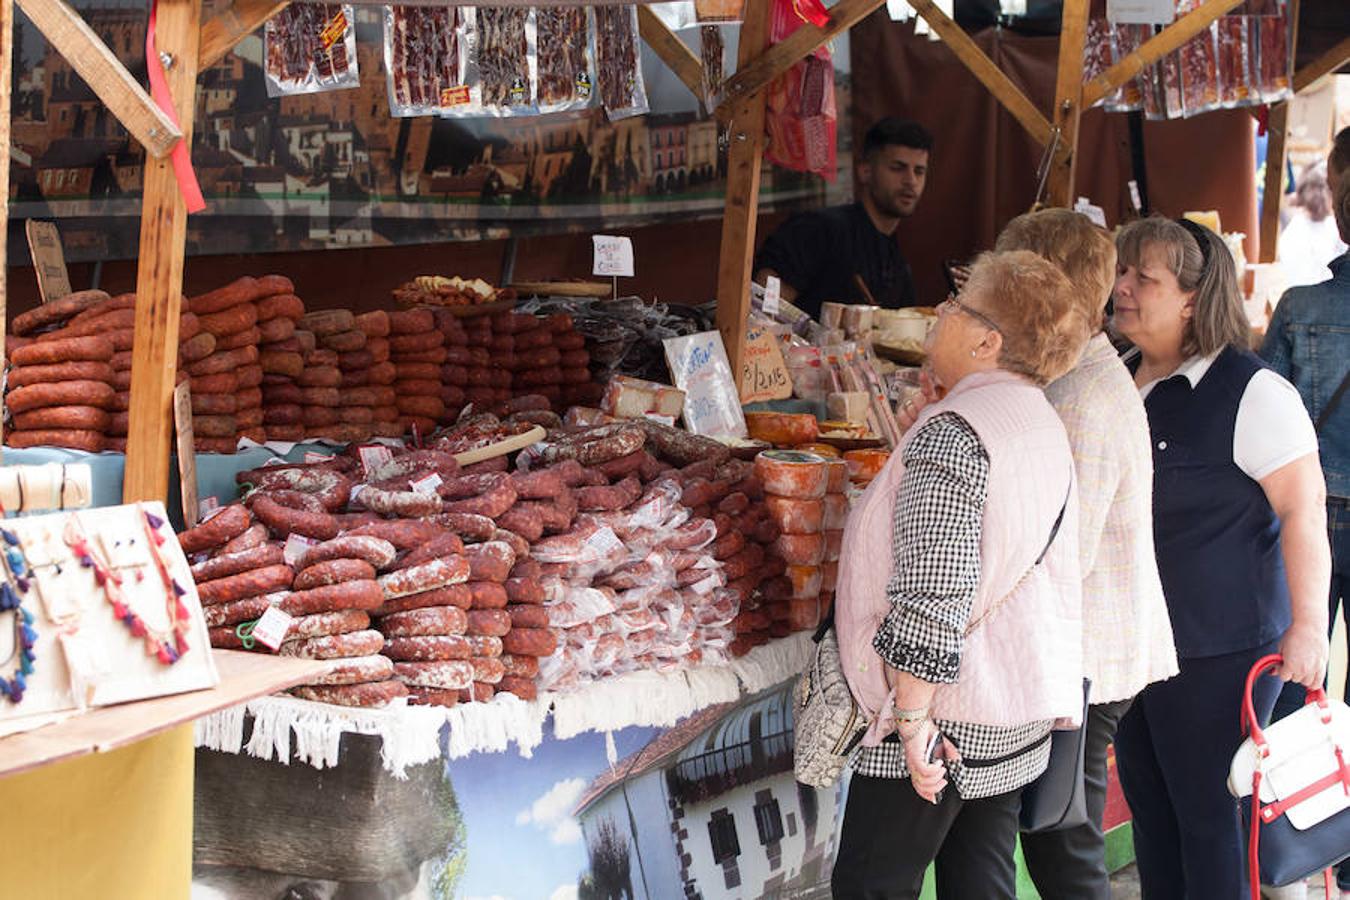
225,29
6,75
159,273
67,31
673,52
1068,103
983,68
746,155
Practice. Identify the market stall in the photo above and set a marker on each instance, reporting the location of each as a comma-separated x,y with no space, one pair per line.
534,551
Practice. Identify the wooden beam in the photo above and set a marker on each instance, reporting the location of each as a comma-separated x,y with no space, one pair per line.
744,159
983,68
1155,48
1277,130
6,77
223,31
1324,65
756,73
686,65
1068,102
159,273
72,37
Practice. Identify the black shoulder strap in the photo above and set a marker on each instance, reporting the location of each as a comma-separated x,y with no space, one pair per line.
1054,530
1332,403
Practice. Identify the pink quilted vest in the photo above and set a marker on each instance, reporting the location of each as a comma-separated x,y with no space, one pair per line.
1023,663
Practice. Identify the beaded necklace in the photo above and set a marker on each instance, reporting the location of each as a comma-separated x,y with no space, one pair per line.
166,646
25,635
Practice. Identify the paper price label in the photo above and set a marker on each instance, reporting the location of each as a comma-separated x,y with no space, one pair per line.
271,629
1141,12
604,542
657,417
374,456
312,457
773,295
613,255
426,484
455,96
297,545
1135,200
208,508
333,30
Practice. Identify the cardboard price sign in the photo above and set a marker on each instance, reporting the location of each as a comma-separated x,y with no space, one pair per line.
764,374
44,243
187,458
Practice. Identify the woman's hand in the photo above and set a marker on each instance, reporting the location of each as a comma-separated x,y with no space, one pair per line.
1305,650
908,411
928,778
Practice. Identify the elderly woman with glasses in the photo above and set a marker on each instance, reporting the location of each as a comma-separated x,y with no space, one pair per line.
965,643
1240,530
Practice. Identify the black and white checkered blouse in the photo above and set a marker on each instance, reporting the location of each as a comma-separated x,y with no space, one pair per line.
938,516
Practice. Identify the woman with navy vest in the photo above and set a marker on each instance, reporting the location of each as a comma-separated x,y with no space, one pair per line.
958,607
1240,531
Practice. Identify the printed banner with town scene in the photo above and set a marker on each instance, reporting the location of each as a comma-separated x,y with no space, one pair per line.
335,169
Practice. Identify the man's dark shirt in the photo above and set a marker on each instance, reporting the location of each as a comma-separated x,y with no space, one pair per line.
818,253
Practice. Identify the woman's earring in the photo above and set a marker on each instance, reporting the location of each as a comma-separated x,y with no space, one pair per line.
972,353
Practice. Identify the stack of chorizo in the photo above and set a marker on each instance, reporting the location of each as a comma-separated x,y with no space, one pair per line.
60,392
454,371
228,378
281,355
368,376
579,386
417,352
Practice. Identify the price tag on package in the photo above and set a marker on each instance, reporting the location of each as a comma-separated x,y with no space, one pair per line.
374,456
297,545
312,457
613,256
427,484
207,508
604,542
773,295
271,629
1141,12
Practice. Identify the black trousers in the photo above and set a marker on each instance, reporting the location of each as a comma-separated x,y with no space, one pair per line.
1174,748
891,835
1071,864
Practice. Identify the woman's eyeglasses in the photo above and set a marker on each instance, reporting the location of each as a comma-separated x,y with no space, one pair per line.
952,304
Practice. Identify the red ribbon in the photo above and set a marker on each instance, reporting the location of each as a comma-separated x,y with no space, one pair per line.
812,11
181,155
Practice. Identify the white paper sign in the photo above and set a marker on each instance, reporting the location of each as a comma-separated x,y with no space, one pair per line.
271,629
427,484
1141,12
208,507
613,255
1095,214
297,545
773,295
699,367
604,542
373,457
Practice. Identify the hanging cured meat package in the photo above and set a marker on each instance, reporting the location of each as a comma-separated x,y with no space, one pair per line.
618,62
1199,60
1125,39
1269,37
1234,76
713,50
506,65
800,113
310,47
1097,51
566,64
429,61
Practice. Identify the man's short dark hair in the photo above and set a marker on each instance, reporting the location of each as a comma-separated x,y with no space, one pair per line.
892,132
1339,160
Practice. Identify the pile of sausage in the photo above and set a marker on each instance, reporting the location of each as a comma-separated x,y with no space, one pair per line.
69,383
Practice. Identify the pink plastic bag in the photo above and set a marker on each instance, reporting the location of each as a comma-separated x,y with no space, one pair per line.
800,119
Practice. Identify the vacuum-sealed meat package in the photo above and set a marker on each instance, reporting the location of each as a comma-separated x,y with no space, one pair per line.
713,50
1234,76
618,62
1199,59
429,60
1125,39
565,61
310,47
505,60
1271,73
1097,51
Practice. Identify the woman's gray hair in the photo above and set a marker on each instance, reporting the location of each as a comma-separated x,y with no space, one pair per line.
1218,319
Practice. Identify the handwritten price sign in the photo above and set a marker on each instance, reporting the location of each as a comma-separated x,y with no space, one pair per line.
613,256
764,375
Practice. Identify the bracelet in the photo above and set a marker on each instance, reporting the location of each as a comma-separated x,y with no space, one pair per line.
910,715
904,738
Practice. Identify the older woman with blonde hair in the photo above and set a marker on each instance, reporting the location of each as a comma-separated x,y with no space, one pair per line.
966,643
1127,638
1240,531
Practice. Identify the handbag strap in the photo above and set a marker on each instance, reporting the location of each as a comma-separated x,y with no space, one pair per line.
1334,402
1054,533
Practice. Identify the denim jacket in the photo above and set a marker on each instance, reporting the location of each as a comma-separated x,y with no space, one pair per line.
1308,342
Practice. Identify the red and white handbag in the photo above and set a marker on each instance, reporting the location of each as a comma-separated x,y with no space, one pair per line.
1298,771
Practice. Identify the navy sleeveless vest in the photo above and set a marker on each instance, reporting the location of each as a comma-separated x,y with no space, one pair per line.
1218,539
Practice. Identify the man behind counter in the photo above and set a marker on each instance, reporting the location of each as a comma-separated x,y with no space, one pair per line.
817,254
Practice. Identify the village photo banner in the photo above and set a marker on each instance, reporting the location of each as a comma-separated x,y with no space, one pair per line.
336,169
